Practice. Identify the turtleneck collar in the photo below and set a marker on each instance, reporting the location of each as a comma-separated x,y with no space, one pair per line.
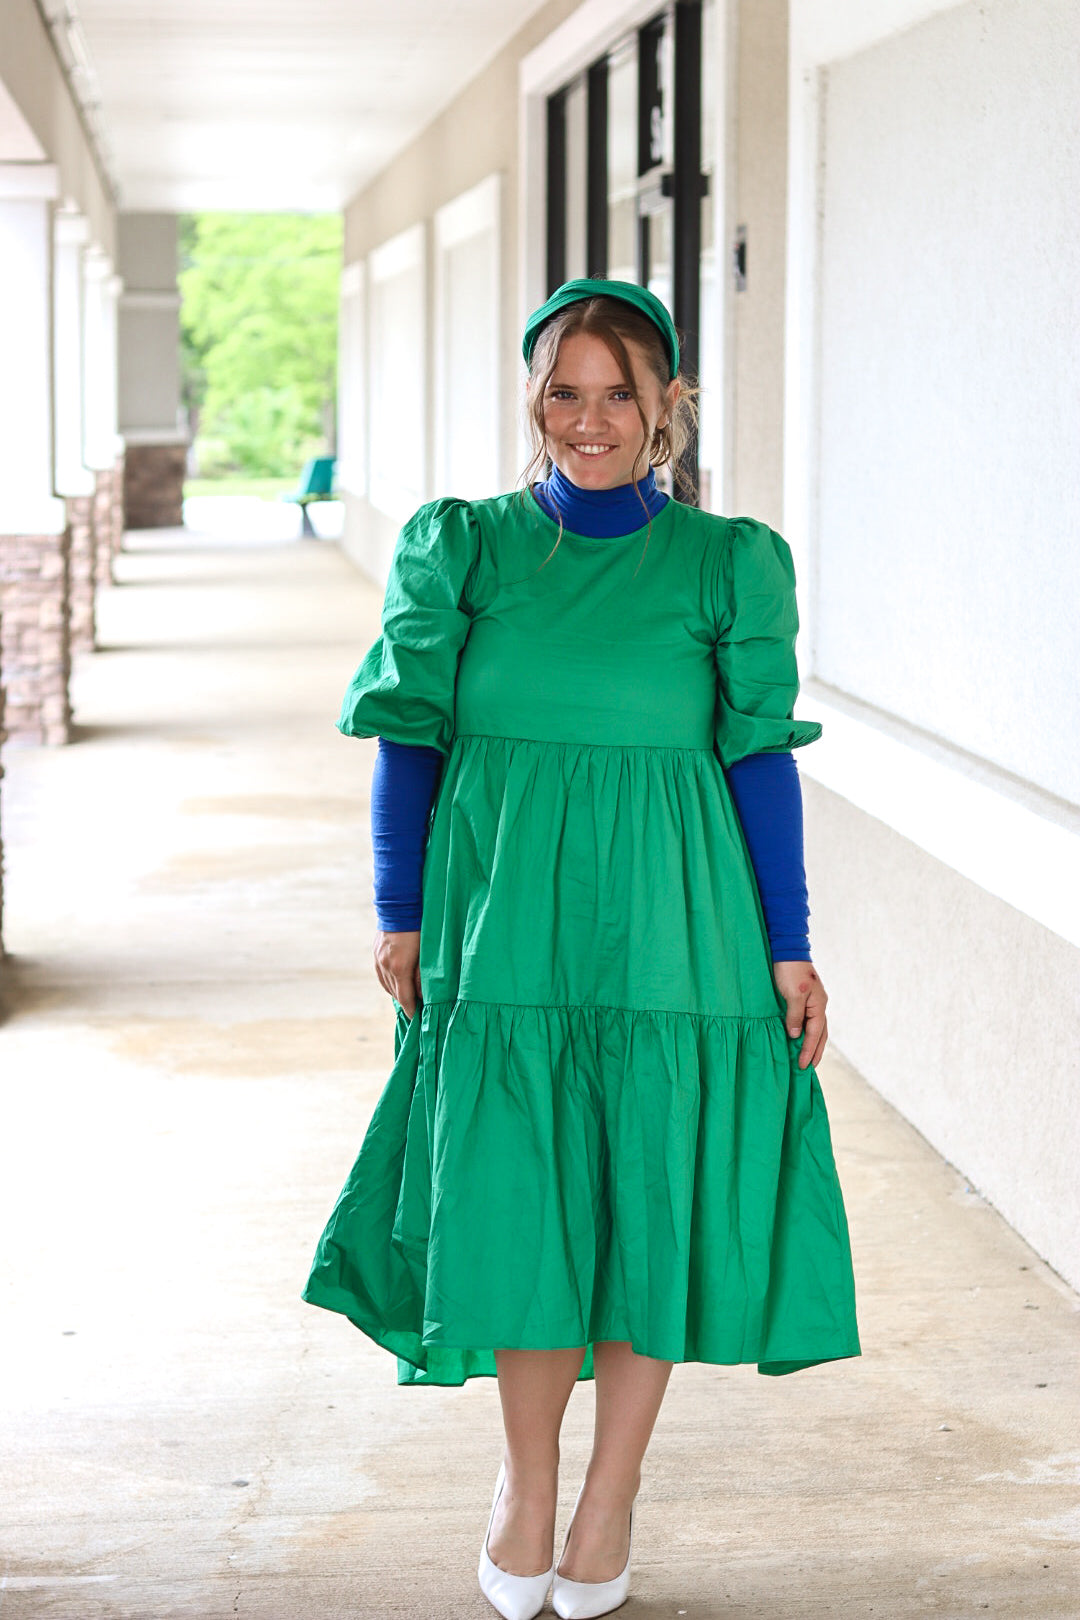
600,514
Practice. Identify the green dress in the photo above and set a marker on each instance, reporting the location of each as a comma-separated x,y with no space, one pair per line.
595,1126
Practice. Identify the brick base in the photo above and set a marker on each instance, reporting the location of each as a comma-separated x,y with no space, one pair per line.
104,541
35,645
118,524
80,519
154,486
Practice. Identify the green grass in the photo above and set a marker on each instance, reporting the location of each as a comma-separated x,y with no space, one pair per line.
267,489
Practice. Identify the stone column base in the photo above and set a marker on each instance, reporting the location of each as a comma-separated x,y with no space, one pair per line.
154,486
104,544
35,643
80,519
118,521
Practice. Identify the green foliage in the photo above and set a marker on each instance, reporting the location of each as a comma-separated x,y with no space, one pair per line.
258,324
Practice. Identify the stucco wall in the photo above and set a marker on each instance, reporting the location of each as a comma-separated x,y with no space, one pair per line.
946,571
959,1009
939,363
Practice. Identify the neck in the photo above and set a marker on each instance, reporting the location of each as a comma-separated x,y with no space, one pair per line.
600,514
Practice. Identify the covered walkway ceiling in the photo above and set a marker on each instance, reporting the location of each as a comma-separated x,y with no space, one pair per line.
275,104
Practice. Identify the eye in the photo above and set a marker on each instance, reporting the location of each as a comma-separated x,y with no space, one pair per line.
622,394
560,393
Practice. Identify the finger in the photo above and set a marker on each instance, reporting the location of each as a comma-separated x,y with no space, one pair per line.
403,990
817,1034
796,1013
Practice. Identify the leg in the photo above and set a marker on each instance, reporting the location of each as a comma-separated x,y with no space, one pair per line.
534,1387
629,1392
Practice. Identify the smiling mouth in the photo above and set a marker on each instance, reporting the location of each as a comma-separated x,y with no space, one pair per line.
592,449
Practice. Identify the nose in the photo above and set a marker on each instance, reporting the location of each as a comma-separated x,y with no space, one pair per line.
592,415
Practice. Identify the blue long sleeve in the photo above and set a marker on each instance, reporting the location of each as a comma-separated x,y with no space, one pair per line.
768,797
402,789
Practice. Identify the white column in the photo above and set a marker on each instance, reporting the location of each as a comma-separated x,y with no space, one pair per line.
27,502
72,475
99,425
114,286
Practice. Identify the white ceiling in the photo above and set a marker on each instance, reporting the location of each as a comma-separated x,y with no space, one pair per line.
277,104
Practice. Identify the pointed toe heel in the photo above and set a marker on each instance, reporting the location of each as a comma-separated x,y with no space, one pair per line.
516,1597
584,1600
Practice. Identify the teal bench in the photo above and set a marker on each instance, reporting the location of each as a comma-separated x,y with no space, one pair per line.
316,484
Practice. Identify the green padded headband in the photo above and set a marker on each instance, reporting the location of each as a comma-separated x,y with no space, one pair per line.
574,292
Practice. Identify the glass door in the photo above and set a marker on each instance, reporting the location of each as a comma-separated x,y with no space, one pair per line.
625,152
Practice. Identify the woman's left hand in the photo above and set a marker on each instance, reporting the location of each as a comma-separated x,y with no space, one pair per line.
806,996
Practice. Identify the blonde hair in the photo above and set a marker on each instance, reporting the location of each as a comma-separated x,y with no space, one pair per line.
616,324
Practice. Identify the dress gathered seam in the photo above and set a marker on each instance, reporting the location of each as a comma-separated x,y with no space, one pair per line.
556,742
598,1007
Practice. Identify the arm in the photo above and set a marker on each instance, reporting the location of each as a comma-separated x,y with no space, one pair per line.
757,621
768,798
402,790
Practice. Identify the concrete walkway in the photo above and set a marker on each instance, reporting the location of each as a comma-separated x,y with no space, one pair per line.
194,1042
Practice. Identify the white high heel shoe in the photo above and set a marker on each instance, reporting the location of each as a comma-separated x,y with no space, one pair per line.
517,1597
583,1600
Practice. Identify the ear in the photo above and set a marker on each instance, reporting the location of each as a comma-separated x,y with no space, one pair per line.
671,394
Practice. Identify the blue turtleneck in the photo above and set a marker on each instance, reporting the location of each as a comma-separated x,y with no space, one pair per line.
600,514
764,787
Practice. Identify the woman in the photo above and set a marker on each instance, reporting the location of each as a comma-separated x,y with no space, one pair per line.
602,1148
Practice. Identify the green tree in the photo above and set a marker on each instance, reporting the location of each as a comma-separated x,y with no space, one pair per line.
258,319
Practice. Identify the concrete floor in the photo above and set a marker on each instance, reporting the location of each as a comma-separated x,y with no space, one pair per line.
195,1039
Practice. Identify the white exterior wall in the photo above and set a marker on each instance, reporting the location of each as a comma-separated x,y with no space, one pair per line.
468,330
398,380
149,330
933,501
468,152
950,383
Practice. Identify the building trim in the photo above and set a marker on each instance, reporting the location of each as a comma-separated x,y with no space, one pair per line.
140,438
148,299
1009,838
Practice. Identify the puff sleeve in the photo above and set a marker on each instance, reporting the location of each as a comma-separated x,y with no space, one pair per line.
758,620
404,688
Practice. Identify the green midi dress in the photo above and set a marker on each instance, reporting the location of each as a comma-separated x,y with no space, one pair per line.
595,1126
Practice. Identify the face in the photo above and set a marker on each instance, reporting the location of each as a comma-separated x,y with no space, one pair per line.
594,433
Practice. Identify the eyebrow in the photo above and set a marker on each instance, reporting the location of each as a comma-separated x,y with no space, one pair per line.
556,382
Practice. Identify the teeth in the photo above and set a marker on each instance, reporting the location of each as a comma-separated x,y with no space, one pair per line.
591,449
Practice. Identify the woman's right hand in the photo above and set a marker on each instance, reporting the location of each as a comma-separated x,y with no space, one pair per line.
397,963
